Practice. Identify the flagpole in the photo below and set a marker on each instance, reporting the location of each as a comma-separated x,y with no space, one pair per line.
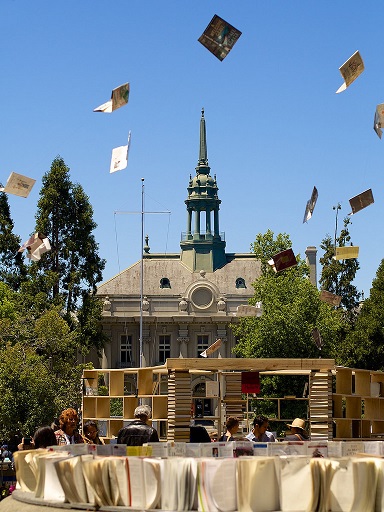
141,273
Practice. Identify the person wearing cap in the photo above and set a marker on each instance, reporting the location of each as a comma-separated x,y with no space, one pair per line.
259,433
298,432
138,432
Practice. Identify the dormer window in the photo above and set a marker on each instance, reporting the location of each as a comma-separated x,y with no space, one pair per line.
240,282
165,282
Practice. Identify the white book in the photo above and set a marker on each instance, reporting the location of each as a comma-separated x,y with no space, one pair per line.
295,474
159,449
350,448
287,448
215,475
253,493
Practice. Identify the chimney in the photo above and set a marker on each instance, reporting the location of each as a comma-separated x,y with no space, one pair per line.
311,262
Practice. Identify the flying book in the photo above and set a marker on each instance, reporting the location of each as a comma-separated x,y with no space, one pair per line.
378,121
119,98
317,338
36,246
311,203
119,160
283,260
247,310
361,201
219,37
330,298
212,348
346,253
350,70
18,185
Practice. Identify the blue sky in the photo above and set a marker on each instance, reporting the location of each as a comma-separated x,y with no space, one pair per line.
275,127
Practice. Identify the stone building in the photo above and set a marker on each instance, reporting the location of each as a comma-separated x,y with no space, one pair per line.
189,298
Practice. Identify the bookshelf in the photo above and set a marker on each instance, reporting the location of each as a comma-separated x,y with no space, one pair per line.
342,403
358,404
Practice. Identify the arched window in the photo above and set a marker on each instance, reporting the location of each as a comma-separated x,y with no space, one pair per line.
240,282
165,282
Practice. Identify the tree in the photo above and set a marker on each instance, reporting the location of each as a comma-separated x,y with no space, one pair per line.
12,268
292,309
65,216
337,275
364,344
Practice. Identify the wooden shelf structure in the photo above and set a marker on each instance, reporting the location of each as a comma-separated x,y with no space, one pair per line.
342,403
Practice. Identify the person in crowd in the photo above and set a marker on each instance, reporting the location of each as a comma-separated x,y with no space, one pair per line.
44,437
232,426
260,432
67,433
138,432
297,431
91,433
5,453
198,434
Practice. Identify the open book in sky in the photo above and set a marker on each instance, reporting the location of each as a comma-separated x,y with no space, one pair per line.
311,203
248,310
283,260
212,348
119,98
346,253
350,70
119,160
36,246
361,201
378,121
330,298
18,185
219,37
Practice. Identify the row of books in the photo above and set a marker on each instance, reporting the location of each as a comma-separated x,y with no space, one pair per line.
208,484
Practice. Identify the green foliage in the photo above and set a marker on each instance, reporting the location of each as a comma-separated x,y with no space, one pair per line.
27,391
364,345
12,268
89,329
337,275
7,302
292,309
65,216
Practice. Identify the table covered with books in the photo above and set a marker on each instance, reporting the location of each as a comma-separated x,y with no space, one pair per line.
211,477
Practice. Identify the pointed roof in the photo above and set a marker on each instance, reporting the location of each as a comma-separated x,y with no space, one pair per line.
202,166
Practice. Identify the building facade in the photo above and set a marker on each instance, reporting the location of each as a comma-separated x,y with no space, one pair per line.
181,303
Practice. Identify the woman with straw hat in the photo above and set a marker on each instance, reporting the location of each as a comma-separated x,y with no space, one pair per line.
298,432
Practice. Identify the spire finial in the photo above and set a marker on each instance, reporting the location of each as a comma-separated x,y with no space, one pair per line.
203,156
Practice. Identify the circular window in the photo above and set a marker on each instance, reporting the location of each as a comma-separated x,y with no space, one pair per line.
202,297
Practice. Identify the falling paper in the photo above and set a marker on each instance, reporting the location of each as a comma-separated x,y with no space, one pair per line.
378,121
361,201
212,348
282,260
311,203
350,70
219,37
119,98
330,298
246,310
119,160
18,185
36,246
317,338
346,253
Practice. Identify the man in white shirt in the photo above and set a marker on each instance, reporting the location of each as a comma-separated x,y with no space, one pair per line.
259,433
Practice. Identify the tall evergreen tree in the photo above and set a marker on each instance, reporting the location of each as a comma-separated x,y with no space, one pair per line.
65,216
364,345
12,268
337,275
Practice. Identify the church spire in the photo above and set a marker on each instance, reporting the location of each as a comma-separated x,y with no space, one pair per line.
202,245
203,154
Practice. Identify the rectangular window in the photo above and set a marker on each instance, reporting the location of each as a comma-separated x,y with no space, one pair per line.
164,347
126,349
202,343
